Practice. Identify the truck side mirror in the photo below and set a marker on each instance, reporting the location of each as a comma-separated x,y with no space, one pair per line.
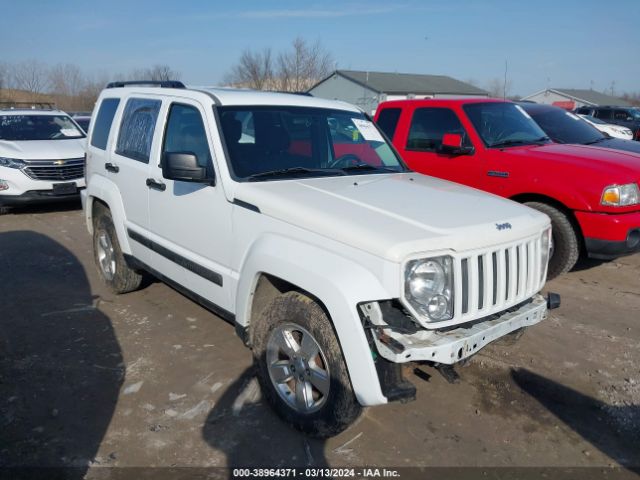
452,145
183,166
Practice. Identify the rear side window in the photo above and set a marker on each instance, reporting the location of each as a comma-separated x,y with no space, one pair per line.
136,130
429,125
388,121
621,115
103,122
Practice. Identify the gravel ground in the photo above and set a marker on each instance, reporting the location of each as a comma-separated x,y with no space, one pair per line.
91,379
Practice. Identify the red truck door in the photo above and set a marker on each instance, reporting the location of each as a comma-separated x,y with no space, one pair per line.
420,144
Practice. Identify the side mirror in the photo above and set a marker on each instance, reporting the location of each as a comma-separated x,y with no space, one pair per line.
183,166
452,145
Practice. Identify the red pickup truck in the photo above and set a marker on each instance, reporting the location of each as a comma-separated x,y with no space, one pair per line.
591,194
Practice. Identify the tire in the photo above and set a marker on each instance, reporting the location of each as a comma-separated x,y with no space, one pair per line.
110,261
566,247
293,321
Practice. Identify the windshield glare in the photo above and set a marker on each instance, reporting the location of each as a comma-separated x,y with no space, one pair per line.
38,127
503,124
566,127
312,141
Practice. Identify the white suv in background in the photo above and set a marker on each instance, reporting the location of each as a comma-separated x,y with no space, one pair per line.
294,219
41,157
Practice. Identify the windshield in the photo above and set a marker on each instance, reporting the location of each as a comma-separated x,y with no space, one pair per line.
268,142
565,127
38,127
635,113
502,124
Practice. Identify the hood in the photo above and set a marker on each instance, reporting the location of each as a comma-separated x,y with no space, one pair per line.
619,144
43,149
611,166
394,215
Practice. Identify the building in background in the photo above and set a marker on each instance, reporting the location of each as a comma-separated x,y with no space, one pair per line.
571,98
368,89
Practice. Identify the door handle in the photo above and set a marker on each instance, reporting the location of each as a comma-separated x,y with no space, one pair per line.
110,167
156,185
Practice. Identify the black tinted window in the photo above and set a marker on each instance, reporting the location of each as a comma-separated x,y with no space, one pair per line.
136,130
38,127
564,127
388,121
104,119
185,133
621,114
603,114
429,125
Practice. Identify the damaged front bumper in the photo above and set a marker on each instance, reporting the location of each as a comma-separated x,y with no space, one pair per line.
454,344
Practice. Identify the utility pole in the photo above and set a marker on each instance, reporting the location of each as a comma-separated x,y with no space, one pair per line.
504,85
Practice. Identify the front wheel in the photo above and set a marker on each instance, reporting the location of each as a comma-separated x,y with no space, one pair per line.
566,247
301,368
112,266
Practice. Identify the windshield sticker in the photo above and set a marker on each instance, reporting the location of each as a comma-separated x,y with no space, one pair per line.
368,130
523,111
70,132
571,115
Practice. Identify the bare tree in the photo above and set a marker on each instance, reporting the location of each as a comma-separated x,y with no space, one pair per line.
301,68
66,79
31,76
161,73
254,70
498,88
295,70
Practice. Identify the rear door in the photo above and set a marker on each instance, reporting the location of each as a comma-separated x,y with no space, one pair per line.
421,146
191,222
129,166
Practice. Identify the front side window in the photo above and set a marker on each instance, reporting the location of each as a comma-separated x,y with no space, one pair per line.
603,114
503,124
103,122
185,133
621,114
566,127
137,127
429,125
270,142
388,121
38,127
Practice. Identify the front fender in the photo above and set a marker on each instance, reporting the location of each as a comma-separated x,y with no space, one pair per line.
103,189
338,282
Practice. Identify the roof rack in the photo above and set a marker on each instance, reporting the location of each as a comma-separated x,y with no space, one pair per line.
156,83
11,105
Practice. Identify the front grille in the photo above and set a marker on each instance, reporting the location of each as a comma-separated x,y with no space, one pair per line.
494,280
72,169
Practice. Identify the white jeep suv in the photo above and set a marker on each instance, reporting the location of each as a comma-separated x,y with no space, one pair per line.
41,157
293,218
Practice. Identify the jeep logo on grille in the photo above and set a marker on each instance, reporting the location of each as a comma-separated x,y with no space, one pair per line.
503,226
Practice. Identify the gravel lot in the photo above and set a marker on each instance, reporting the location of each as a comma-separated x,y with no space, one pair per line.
151,379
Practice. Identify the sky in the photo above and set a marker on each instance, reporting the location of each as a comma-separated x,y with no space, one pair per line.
560,43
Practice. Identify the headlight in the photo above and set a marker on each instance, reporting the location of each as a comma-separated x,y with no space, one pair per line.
621,195
429,287
11,162
545,247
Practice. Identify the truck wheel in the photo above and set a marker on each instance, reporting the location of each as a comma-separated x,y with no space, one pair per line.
112,266
566,248
300,366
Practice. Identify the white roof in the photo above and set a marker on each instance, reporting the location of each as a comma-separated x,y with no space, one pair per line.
237,96
29,111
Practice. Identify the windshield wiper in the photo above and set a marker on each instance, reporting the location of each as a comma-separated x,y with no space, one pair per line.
366,166
509,143
284,172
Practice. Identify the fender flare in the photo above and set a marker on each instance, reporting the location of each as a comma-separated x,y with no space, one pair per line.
105,190
338,282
